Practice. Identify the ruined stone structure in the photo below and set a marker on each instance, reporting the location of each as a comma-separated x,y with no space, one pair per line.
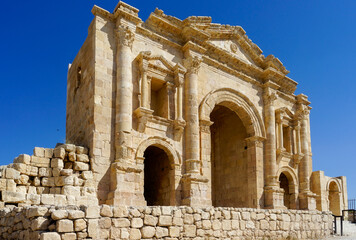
187,114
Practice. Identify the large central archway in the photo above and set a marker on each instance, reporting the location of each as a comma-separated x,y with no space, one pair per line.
240,185
228,159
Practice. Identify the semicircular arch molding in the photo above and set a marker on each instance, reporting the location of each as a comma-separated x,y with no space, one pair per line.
290,174
333,180
236,102
161,143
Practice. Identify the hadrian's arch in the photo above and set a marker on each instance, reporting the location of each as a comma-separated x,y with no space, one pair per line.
333,189
161,171
288,181
232,133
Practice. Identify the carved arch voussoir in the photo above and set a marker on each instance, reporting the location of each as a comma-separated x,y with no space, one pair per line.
238,103
161,143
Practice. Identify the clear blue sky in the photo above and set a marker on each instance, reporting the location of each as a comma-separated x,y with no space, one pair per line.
315,40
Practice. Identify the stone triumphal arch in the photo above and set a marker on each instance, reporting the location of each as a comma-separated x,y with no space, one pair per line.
197,116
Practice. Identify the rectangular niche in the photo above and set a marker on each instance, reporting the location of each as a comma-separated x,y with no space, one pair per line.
159,98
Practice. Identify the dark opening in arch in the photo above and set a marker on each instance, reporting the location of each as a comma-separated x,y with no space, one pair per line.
284,184
156,177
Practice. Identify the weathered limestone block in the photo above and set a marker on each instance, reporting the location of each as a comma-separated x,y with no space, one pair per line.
148,232
106,211
21,167
44,172
165,221
47,199
59,214
87,175
135,233
39,152
82,158
39,223
64,181
50,236
136,223
75,214
121,222
48,182
36,212
161,232
40,161
33,199
23,158
10,185
189,230
80,166
64,225
69,236
11,173
81,150
72,156
57,163
93,228
3,183
13,197
92,212
174,231
59,152
121,211
71,191
80,225
150,220
66,172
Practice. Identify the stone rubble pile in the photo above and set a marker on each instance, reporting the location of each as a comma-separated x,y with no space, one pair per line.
59,176
107,222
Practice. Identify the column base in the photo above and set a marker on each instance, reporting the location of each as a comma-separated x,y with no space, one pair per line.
196,192
126,190
307,201
274,197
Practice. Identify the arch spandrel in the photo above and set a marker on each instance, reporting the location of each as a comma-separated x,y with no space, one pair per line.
238,103
160,143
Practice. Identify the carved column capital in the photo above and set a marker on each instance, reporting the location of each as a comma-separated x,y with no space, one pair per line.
125,36
302,112
269,97
255,141
192,64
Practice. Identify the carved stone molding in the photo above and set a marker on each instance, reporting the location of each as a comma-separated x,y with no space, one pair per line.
125,36
143,115
296,159
255,141
178,126
205,126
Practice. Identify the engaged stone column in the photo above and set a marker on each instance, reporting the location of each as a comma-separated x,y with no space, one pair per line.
272,190
123,119
192,147
307,198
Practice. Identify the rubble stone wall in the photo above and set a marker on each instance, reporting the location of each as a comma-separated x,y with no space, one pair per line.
106,222
60,176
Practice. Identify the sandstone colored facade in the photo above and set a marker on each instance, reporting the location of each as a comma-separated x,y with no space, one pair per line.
188,131
199,101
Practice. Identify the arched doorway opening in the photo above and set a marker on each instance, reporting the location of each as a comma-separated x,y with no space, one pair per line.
228,159
157,175
284,184
334,198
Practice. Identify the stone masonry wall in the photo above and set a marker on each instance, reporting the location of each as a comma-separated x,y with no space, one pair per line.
106,222
59,176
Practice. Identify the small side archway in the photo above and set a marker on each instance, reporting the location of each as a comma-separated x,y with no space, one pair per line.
287,181
333,189
161,172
